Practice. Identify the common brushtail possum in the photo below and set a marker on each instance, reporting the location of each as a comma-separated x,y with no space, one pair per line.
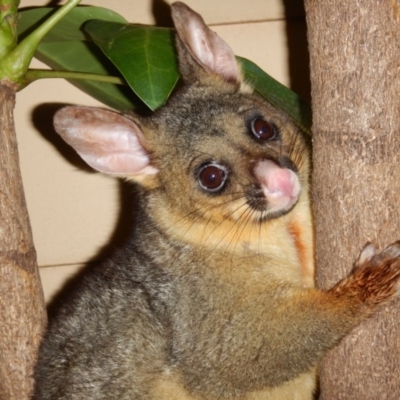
213,296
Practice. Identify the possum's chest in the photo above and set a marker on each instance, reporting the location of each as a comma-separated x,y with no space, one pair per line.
169,386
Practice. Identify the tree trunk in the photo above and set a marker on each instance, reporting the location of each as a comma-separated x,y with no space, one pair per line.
22,307
355,65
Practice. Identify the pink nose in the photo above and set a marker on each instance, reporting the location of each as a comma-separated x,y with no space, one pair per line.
281,186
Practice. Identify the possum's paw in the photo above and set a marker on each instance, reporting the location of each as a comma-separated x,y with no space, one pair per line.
369,255
375,277
366,254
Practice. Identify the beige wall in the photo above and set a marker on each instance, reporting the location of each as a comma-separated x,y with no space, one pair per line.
74,212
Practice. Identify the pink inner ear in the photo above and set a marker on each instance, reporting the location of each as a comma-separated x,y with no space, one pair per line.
213,54
115,150
109,142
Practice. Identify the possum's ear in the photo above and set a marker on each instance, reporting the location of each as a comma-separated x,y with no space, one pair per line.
109,142
200,49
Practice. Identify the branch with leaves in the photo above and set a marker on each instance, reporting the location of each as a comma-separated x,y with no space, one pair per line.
98,50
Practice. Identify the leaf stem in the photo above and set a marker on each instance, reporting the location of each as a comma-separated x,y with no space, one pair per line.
15,63
8,25
35,74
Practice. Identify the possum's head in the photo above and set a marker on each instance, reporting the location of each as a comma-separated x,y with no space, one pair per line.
215,151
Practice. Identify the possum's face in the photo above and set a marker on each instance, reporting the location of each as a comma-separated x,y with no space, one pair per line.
216,152
228,155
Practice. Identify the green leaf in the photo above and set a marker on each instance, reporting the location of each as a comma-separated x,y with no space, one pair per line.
70,28
87,57
277,94
143,54
67,47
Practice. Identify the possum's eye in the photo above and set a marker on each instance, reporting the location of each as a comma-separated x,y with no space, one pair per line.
212,177
262,129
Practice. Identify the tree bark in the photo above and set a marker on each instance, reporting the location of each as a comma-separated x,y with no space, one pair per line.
355,65
22,307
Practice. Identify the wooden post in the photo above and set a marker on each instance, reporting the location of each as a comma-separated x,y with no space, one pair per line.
355,79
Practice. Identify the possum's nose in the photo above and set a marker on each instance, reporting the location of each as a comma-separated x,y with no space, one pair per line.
280,186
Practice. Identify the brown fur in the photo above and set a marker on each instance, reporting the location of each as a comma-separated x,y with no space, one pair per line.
213,296
373,282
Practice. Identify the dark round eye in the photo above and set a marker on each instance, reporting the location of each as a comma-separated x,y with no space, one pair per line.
263,130
212,177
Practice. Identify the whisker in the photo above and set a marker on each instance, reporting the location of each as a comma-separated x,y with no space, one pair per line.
237,195
205,239
227,232
244,222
